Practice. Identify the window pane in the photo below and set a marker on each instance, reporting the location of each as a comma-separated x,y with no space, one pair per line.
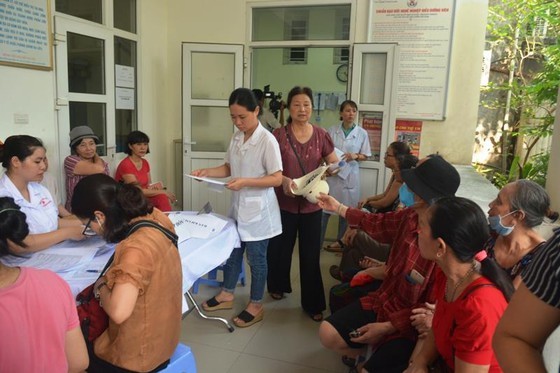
93,115
86,64
125,120
86,9
213,87
323,22
374,68
211,128
124,13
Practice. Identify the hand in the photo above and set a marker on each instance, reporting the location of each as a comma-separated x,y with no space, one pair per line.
327,203
287,185
373,333
377,272
367,262
171,196
348,238
202,172
74,232
236,184
421,319
349,156
362,203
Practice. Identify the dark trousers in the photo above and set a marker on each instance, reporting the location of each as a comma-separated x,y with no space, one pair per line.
97,365
307,228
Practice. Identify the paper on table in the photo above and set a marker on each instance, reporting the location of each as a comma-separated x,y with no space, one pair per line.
213,184
59,259
188,225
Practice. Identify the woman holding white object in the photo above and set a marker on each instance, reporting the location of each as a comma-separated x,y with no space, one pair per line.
253,160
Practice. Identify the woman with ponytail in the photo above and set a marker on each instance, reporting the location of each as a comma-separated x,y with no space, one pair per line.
142,290
471,290
38,318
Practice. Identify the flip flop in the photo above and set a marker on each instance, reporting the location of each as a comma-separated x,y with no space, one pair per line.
276,296
248,319
335,247
212,304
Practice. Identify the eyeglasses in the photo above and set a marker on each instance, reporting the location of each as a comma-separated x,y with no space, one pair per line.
87,230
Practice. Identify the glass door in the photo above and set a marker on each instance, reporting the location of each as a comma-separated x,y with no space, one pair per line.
210,73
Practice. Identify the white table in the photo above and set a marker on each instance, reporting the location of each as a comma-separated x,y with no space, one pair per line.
198,257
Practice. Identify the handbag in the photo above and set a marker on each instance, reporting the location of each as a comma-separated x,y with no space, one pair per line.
93,319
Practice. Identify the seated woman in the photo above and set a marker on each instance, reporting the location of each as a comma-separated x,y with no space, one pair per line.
53,325
83,161
134,169
142,290
471,291
23,157
519,207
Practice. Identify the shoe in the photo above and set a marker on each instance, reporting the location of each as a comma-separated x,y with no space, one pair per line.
317,317
277,296
334,270
245,319
335,247
212,304
348,361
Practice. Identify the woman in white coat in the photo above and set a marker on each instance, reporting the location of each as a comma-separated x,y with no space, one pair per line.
353,141
253,160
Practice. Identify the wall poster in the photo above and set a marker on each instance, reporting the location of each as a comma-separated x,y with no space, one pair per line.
409,131
423,30
25,36
372,122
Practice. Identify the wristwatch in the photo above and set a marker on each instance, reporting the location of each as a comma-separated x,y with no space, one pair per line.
96,292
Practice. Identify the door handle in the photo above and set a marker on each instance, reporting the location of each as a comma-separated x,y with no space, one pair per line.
189,142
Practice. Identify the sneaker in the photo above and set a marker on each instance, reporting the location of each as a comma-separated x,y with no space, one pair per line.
334,270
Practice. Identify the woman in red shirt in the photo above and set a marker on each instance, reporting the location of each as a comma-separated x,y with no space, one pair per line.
471,291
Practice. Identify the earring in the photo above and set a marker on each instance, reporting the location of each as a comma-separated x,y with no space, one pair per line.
438,255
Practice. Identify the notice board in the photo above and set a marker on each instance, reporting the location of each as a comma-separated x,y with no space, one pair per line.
423,29
25,37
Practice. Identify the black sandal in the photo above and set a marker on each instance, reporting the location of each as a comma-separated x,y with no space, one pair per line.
276,296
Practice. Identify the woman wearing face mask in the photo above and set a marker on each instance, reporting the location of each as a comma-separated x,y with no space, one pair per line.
519,207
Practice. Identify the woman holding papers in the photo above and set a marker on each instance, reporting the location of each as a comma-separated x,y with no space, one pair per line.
352,143
141,292
24,157
134,169
254,163
38,317
303,146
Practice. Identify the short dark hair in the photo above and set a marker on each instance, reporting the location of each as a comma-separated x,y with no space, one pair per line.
20,146
297,90
119,202
136,137
13,226
406,161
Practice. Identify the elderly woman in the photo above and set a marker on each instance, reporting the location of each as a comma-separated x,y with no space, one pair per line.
38,318
83,161
471,291
24,157
142,290
303,147
519,208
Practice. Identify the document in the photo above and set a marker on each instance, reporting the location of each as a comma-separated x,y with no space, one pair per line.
189,225
213,184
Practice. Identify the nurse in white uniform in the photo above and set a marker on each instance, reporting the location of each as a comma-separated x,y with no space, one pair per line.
23,157
253,161
352,140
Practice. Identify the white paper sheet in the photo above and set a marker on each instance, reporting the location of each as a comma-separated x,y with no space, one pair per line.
189,225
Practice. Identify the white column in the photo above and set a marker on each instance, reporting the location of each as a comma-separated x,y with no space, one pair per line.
553,175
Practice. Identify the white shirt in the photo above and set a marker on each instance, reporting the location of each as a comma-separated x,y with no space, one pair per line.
256,210
41,211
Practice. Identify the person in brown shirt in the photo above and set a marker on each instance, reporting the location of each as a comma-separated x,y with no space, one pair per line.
141,292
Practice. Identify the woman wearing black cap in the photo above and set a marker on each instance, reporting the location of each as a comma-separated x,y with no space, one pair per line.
83,161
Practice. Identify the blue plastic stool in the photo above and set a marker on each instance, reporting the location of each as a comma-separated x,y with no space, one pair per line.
211,280
182,361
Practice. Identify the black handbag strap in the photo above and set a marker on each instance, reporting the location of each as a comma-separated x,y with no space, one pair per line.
133,228
295,152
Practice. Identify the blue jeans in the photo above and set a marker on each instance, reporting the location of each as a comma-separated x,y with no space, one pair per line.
342,225
256,258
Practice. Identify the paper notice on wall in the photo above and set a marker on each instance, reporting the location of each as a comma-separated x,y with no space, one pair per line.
373,124
409,131
124,76
124,98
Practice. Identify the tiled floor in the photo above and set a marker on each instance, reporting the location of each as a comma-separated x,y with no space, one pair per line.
286,341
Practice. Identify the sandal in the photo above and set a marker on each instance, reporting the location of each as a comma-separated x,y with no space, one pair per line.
212,304
276,296
335,247
247,319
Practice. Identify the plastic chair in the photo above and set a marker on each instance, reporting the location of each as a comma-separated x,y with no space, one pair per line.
182,361
211,279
